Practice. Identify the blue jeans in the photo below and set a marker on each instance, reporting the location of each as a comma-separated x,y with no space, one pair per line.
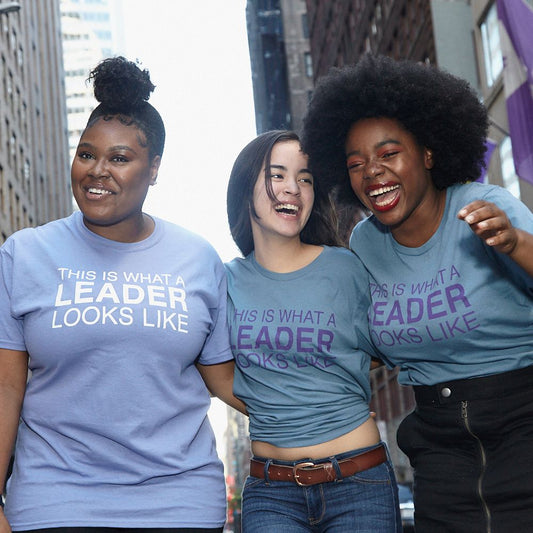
366,502
97,529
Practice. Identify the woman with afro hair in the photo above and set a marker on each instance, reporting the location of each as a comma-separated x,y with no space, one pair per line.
451,282
118,315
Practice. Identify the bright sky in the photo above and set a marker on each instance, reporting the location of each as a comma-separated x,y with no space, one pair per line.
198,58
197,55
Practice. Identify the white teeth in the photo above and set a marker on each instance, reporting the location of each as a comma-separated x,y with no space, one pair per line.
383,190
287,207
381,204
94,190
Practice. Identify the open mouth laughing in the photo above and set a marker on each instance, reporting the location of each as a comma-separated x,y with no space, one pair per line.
384,197
287,209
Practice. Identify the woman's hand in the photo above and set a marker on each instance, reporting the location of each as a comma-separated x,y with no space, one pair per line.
490,223
4,526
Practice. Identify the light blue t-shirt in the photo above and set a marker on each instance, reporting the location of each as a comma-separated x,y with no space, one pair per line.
453,308
113,430
297,339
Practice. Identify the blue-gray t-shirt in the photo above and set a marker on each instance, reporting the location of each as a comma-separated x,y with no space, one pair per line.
453,308
298,341
114,429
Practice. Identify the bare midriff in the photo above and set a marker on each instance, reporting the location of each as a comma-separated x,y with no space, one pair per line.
366,434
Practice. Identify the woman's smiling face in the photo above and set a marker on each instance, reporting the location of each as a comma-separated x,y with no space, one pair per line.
292,186
110,175
389,171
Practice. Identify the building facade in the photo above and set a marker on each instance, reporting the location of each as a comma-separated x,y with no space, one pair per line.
34,166
282,72
341,31
268,64
89,34
298,59
487,45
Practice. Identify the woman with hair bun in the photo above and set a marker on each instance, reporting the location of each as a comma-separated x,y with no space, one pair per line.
118,315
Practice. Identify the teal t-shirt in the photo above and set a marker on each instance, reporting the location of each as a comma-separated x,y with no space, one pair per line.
453,308
114,429
298,341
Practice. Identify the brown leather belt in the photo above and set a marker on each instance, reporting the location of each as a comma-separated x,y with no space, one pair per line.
309,473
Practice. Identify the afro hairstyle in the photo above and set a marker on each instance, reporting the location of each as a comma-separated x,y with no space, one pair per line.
440,110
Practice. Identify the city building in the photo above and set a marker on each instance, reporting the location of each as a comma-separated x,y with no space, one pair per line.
282,72
34,166
342,30
89,34
488,52
298,59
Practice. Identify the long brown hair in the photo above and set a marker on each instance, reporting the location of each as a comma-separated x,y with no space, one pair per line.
321,228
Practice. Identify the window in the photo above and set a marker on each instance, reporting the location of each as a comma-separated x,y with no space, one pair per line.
492,52
13,40
510,179
308,65
27,170
305,26
13,150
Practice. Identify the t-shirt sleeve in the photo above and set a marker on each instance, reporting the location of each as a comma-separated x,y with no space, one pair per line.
360,304
217,345
11,327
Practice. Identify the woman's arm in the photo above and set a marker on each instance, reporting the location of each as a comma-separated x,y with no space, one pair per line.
522,253
219,380
13,376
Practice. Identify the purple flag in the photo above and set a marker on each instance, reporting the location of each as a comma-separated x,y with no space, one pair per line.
490,145
516,35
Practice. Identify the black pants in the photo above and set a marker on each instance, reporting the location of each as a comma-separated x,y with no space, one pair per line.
470,443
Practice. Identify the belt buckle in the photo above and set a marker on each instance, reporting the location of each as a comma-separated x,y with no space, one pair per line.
300,466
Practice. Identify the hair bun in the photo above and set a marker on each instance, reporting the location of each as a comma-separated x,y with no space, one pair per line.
120,85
